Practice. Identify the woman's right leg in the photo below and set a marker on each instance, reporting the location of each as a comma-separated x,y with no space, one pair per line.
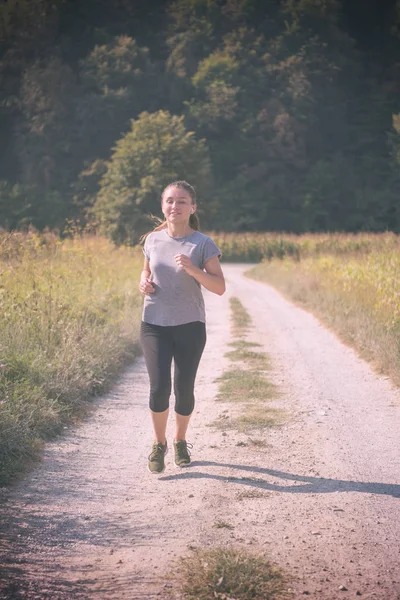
156,344
159,420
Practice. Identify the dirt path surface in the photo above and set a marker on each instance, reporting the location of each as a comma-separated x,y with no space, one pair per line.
91,523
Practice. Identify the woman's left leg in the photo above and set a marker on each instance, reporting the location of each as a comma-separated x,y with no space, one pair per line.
189,342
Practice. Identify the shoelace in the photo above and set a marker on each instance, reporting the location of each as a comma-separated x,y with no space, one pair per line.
158,450
184,445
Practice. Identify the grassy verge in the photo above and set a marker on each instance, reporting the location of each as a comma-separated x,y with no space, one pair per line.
246,383
355,295
68,322
230,574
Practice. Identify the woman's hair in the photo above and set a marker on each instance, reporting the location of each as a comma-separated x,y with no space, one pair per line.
194,222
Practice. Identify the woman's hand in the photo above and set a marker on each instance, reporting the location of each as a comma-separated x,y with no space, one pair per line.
146,286
186,264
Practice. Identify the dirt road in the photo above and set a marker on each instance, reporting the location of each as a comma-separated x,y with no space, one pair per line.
91,523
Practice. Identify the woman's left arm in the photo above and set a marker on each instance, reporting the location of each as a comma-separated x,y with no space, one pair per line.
212,278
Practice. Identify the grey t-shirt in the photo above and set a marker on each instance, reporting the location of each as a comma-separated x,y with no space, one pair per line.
177,298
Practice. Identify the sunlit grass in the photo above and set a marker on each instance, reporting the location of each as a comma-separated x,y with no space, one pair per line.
258,418
69,315
245,494
226,573
246,384
358,295
257,360
240,317
241,385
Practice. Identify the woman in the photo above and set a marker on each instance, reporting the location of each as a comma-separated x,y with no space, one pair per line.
178,261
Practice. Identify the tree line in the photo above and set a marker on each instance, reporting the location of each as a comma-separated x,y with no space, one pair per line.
283,113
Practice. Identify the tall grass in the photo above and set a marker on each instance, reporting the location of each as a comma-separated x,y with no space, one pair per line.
356,293
69,314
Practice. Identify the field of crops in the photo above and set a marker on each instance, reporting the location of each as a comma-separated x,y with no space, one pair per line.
69,314
256,247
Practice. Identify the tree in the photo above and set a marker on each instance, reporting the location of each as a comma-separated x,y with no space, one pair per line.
47,90
192,33
253,107
25,205
157,150
118,81
294,98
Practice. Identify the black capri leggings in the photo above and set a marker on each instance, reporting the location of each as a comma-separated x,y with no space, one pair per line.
183,343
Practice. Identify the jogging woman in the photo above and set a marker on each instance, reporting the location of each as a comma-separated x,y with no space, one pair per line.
178,261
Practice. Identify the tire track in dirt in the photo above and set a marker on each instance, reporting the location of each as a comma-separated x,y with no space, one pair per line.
90,522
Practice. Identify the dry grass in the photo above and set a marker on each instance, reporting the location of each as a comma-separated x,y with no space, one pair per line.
223,525
240,317
228,574
69,320
357,296
243,344
255,360
247,384
239,385
258,443
245,494
258,418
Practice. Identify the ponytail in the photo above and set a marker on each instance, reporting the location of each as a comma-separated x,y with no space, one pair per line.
194,222
161,225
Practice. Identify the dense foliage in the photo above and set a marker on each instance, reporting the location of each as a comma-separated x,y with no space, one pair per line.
284,113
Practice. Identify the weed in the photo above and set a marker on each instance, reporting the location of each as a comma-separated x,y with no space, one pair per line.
255,418
222,573
243,344
239,385
222,423
223,525
258,418
250,494
255,360
258,443
240,316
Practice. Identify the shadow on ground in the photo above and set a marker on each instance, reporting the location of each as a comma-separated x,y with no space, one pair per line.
302,484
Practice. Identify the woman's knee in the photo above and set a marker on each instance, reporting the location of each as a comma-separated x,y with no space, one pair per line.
184,405
159,401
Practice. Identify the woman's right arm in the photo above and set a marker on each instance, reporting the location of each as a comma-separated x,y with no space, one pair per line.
145,285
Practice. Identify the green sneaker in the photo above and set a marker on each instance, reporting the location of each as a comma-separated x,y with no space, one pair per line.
182,454
156,462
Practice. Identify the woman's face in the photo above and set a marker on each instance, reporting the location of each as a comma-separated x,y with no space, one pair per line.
177,205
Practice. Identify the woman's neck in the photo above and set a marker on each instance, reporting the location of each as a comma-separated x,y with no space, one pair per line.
179,230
